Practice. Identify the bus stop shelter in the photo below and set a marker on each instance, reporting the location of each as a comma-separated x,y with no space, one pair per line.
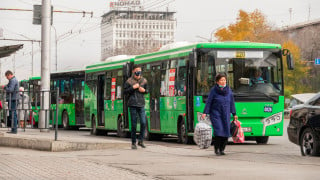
8,50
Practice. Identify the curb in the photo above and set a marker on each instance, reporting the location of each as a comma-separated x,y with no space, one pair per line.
56,146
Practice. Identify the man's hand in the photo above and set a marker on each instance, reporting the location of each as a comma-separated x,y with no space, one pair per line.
141,89
203,116
135,86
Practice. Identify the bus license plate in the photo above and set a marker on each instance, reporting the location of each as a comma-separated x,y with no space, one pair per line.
246,129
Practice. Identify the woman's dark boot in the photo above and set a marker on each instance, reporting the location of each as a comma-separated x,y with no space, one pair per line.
223,146
216,146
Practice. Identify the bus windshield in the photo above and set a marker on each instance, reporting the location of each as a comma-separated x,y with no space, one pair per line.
249,72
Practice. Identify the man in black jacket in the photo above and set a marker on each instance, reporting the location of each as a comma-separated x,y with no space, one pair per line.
135,87
12,89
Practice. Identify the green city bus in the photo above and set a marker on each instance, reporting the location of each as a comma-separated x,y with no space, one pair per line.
71,86
180,79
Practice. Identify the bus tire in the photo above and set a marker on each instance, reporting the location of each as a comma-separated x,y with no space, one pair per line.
93,126
65,120
151,136
182,134
121,129
262,139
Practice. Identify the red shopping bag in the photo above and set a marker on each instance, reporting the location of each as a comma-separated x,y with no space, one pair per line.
239,136
0,105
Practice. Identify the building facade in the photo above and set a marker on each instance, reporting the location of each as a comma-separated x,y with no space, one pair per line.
133,32
306,35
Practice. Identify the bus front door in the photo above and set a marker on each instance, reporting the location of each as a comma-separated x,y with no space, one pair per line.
100,100
154,88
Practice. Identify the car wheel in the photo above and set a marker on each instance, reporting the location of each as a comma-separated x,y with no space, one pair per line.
309,145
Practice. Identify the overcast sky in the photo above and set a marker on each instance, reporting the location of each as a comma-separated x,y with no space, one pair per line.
196,20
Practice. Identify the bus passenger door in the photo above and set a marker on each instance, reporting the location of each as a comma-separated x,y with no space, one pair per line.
100,100
78,95
154,88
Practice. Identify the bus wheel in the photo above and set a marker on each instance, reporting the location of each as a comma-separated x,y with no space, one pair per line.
65,120
93,126
182,134
309,145
262,139
121,129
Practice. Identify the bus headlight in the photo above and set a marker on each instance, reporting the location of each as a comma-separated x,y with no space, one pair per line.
274,119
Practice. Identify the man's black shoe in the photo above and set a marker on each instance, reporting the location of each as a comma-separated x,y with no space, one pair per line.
133,146
12,132
140,143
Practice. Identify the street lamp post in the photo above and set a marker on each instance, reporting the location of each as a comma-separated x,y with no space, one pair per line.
56,43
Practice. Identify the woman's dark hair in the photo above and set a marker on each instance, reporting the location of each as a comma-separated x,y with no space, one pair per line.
220,75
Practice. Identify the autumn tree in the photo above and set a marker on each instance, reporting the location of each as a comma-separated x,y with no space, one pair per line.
249,27
295,80
255,28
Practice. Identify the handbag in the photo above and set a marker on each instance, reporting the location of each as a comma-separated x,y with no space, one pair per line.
238,136
233,129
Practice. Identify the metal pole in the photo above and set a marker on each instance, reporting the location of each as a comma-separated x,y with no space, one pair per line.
45,62
32,59
56,119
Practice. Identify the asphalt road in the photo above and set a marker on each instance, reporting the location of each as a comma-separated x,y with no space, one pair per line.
166,159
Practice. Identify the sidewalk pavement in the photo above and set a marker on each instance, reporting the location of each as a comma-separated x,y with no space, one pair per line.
68,140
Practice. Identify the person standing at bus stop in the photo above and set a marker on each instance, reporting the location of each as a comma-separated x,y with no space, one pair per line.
12,89
220,105
135,87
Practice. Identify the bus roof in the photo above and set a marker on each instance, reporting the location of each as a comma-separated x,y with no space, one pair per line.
107,65
68,71
35,78
185,50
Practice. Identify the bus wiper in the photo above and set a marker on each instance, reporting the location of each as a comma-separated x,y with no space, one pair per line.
240,94
268,96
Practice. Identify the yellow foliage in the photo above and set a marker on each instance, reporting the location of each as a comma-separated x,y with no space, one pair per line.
254,27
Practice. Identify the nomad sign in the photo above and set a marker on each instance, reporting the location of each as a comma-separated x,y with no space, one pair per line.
124,3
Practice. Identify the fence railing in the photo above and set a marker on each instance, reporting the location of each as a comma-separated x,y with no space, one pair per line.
25,106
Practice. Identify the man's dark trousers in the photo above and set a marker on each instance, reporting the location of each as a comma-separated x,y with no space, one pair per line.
134,111
13,112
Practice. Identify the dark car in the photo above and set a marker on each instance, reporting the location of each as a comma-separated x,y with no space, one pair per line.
304,126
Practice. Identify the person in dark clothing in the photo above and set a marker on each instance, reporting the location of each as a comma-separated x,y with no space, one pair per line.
135,87
12,89
220,105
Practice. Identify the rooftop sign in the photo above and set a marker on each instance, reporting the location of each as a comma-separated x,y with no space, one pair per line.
122,4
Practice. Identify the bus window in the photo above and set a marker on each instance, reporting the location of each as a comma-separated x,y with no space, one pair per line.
164,90
205,74
107,95
180,84
119,84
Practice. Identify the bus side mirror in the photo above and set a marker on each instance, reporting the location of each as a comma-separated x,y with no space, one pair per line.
193,59
290,62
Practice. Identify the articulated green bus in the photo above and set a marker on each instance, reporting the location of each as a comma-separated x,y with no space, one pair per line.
180,79
104,101
71,97
71,93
